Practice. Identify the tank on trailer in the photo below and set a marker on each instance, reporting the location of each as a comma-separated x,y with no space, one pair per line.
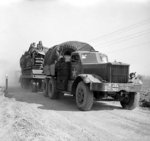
31,63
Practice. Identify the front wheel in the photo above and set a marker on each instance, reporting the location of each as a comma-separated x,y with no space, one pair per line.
84,97
52,91
130,101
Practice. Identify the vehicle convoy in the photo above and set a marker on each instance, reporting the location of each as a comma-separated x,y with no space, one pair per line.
31,63
77,69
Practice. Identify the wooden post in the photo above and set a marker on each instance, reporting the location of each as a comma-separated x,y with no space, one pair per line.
6,84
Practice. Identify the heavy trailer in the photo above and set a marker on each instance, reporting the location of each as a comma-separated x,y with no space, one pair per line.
31,63
77,69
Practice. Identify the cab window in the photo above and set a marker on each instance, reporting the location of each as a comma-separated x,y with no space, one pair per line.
75,58
89,58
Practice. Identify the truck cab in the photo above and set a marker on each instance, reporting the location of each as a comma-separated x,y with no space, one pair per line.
86,62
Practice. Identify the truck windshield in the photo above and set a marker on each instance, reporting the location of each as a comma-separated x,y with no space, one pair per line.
88,58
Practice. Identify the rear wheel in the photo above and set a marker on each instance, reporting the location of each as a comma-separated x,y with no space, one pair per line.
130,101
33,86
84,97
45,91
52,91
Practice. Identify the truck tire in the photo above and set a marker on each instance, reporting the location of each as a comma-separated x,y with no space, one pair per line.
84,97
45,92
131,101
33,86
52,91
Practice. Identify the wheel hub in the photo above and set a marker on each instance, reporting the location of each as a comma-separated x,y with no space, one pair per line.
126,98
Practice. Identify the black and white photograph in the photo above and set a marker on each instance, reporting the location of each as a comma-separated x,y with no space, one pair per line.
75,70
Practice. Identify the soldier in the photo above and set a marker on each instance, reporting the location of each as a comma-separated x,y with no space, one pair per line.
32,47
135,79
40,46
133,75
59,53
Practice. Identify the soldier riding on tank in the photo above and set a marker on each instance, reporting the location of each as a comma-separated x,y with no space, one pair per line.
40,46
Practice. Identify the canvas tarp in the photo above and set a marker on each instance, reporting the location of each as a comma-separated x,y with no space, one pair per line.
65,48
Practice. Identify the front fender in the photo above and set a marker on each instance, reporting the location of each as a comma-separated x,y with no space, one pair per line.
90,78
86,78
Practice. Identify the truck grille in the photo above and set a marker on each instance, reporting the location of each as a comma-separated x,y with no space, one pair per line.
119,73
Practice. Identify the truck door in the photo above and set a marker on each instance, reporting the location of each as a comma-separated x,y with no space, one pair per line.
75,66
63,74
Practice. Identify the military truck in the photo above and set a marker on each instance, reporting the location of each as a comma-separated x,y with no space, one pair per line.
31,63
77,69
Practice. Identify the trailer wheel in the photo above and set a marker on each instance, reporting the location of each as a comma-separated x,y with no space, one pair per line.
130,101
84,97
52,91
46,88
33,86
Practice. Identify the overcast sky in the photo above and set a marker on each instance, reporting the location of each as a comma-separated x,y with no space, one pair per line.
118,28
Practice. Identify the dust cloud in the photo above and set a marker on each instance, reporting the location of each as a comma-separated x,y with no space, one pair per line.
54,22
12,73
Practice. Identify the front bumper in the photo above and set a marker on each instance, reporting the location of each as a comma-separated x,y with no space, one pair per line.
115,87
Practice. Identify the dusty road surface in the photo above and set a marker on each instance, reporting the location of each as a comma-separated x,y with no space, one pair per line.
26,116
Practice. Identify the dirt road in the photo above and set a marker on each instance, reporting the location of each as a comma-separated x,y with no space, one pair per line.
31,116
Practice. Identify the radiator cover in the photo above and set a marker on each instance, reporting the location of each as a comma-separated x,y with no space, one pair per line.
110,72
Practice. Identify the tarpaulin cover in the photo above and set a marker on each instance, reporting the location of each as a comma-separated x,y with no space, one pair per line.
65,48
